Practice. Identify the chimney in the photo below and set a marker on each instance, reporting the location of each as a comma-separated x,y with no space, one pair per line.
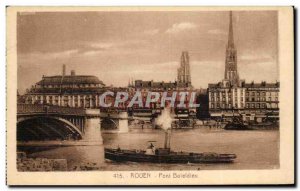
72,72
64,70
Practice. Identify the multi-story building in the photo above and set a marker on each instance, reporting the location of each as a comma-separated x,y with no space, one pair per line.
262,101
254,101
233,97
66,90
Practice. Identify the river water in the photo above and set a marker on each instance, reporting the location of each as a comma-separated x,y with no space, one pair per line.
255,149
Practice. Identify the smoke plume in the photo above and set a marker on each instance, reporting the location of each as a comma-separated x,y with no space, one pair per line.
165,119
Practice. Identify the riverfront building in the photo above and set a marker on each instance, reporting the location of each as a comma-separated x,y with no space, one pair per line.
66,90
233,97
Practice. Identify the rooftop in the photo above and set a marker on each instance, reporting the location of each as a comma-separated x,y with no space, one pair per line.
69,79
152,84
249,85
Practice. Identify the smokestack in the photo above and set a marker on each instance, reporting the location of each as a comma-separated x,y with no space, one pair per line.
167,139
72,72
64,70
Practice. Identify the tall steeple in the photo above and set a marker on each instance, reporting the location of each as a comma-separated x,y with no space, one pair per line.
231,72
230,33
183,73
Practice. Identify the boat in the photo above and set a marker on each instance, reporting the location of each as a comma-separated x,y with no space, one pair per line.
237,124
165,155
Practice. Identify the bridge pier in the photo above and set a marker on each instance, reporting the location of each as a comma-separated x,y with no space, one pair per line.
92,128
123,122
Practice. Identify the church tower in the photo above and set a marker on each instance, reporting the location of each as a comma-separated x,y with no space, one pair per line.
231,73
183,73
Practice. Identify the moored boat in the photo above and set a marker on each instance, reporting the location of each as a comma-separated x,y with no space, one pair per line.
237,124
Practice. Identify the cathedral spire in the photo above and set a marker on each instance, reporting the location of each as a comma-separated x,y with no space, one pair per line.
231,72
230,34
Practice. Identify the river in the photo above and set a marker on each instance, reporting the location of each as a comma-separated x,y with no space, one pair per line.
255,149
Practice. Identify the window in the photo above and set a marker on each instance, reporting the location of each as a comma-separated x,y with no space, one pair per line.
270,99
247,106
276,98
242,99
257,105
212,105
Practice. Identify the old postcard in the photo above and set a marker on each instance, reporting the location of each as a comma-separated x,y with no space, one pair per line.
150,95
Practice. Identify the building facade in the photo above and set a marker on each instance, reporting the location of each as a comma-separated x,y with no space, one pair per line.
233,97
254,101
66,90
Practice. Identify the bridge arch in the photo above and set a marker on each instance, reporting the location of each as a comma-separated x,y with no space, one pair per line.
46,128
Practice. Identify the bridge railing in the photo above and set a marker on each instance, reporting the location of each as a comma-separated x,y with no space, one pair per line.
48,109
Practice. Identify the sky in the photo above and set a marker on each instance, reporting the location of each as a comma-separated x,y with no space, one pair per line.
118,46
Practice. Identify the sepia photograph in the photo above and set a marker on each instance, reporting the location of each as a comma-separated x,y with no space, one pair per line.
156,94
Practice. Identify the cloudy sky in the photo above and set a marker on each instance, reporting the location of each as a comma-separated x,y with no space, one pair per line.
116,46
